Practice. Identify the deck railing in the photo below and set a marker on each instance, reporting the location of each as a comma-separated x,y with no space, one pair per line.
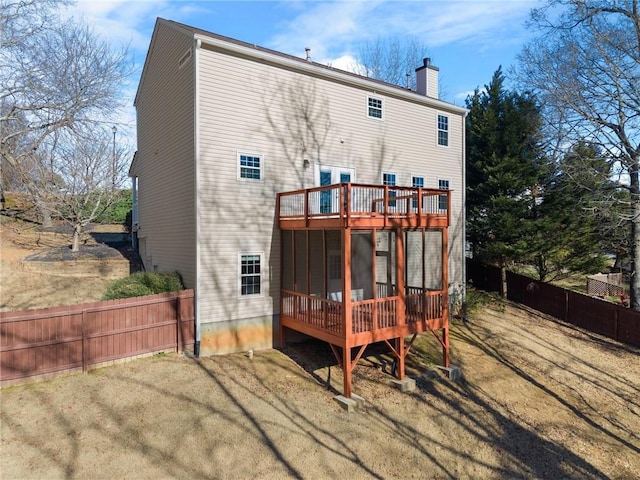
314,311
350,200
423,305
366,315
374,314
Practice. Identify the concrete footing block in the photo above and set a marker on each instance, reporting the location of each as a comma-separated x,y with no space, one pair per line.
453,373
405,385
349,404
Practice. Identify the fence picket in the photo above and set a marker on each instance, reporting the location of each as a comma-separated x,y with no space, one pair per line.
106,334
592,314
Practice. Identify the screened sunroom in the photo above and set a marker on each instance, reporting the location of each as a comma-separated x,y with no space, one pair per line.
363,264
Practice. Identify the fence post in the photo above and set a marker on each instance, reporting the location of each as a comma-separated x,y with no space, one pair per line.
85,367
615,323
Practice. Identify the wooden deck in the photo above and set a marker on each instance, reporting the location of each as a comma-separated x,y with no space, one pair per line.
371,321
350,205
338,315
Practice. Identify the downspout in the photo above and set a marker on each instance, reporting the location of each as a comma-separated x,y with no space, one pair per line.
134,212
464,216
196,160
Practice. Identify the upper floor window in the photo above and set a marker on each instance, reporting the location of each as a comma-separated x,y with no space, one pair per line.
442,199
374,107
416,182
389,179
249,166
250,274
443,130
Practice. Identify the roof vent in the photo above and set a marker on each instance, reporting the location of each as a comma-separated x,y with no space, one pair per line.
308,50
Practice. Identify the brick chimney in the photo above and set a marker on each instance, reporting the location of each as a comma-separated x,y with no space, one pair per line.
427,79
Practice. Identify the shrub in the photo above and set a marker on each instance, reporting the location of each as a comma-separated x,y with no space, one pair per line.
117,212
144,283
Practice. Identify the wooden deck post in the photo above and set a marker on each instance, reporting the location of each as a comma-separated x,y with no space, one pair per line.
400,276
445,346
346,283
400,357
445,297
346,371
346,311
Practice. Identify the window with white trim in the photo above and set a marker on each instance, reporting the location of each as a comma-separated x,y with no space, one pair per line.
250,273
374,107
249,166
442,199
416,182
443,130
389,179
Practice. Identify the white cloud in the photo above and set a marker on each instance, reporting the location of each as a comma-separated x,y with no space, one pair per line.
335,28
344,62
463,95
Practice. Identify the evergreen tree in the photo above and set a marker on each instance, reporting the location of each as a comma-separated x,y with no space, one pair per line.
569,230
503,169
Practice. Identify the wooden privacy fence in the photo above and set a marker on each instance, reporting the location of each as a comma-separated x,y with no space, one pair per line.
74,337
592,314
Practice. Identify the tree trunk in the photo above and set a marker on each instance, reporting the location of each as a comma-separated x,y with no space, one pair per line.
634,289
75,245
45,213
503,280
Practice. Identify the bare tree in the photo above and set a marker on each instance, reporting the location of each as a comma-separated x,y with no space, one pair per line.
391,60
585,66
55,75
22,19
77,173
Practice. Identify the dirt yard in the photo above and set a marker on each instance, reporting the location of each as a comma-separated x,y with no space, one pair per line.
537,399
22,288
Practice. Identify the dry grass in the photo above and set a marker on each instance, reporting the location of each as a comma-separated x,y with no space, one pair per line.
537,400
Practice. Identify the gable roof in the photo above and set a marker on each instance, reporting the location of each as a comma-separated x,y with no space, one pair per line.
296,63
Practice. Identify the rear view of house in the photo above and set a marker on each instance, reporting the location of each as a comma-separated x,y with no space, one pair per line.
285,191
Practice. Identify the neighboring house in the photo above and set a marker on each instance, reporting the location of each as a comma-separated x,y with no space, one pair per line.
224,127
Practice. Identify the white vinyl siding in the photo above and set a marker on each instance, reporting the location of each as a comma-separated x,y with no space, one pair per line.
165,159
259,106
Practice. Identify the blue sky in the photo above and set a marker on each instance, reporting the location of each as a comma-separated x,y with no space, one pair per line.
467,40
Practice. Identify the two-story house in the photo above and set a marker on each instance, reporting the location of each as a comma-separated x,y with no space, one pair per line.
294,196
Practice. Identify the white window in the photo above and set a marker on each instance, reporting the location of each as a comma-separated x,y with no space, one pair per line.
442,199
443,130
374,107
389,179
249,166
416,182
250,274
